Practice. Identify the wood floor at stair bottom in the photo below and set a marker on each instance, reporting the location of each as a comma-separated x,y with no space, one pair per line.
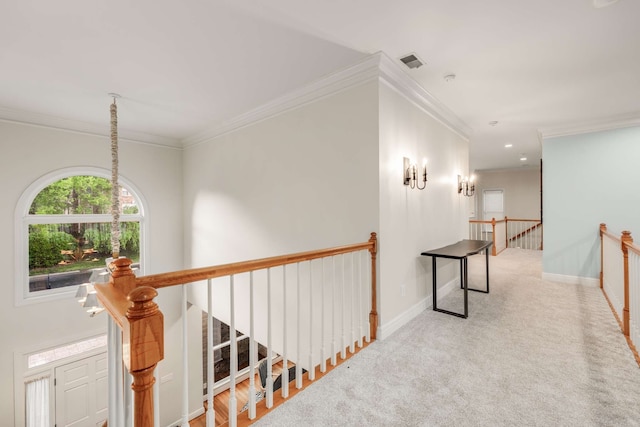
221,400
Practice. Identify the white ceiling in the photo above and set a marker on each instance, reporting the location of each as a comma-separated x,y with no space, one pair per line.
183,67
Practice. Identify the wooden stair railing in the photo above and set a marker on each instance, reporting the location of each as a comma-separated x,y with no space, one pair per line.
625,244
526,231
495,248
501,236
129,301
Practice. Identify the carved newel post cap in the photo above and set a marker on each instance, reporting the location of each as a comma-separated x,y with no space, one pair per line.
121,267
142,302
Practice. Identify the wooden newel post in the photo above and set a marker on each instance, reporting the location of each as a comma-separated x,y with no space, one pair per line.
493,237
603,229
373,315
626,238
122,276
142,325
506,232
143,348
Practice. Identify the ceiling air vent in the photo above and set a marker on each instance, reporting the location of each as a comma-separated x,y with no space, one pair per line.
411,60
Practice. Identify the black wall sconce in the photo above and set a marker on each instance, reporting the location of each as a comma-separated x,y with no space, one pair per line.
411,174
466,186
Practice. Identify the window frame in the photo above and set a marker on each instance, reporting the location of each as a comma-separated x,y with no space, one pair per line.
22,296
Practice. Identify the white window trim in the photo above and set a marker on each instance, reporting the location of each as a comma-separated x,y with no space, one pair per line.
22,220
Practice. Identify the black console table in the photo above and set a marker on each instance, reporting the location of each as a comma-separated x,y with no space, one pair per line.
460,251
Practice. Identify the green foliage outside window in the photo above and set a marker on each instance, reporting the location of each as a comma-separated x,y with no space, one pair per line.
74,195
46,245
65,242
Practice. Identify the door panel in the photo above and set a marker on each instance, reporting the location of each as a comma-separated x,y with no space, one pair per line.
81,392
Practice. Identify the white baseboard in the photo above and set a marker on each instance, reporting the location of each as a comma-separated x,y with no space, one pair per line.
571,280
384,331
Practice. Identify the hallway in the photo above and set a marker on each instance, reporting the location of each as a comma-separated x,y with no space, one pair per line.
532,352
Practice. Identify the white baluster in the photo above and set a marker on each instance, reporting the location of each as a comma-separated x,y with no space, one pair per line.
116,381
298,330
285,361
367,282
185,360
323,349
312,371
269,383
128,399
211,412
634,297
252,354
334,346
343,347
233,362
352,341
360,313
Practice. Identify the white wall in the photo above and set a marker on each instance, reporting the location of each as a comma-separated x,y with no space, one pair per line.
588,179
521,191
29,152
301,180
413,221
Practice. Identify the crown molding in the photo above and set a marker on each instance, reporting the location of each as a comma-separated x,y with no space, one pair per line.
394,76
377,66
10,115
360,73
610,123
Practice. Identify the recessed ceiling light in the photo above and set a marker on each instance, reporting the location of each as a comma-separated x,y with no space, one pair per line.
522,159
508,145
493,123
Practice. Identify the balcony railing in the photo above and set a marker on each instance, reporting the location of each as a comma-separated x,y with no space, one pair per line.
620,282
508,233
314,307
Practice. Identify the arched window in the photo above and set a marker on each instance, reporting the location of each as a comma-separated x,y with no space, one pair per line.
63,232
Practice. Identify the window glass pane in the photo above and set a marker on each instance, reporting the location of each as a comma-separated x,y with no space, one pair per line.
80,195
48,356
65,254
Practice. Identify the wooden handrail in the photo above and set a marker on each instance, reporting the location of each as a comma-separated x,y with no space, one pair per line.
488,221
633,248
612,236
129,301
197,274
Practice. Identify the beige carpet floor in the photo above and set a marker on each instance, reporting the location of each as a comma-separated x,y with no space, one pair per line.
532,353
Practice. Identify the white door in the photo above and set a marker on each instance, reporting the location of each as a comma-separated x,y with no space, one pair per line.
492,206
81,392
